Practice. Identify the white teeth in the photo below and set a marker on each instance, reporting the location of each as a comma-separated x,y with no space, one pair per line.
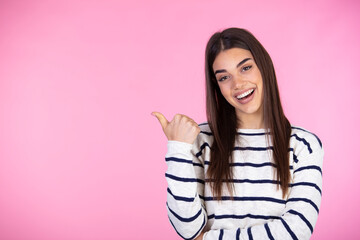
245,94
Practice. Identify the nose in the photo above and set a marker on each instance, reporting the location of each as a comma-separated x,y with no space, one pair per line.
238,82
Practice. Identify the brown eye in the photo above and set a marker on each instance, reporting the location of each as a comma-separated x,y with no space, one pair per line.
223,78
246,68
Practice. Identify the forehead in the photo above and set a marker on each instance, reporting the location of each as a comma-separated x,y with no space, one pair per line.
230,58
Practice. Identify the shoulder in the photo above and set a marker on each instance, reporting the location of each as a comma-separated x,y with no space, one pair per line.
205,128
205,137
205,132
202,142
304,141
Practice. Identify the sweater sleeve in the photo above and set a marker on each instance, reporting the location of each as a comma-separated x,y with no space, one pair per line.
301,209
185,178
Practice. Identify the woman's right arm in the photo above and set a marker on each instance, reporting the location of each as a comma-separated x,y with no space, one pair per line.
185,176
186,210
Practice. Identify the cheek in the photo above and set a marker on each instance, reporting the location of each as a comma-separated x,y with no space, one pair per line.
261,92
224,88
225,91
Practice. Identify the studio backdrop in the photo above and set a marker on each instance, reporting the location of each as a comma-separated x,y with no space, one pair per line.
80,155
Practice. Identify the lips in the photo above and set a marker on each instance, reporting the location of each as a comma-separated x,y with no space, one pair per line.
245,96
244,93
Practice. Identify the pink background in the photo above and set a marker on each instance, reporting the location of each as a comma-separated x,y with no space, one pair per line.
80,155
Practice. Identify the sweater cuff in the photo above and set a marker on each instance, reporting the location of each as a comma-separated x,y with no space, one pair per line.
179,148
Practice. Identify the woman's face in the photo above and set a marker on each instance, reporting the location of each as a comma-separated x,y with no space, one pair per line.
240,83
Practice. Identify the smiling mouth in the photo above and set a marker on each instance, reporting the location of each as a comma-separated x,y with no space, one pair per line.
245,94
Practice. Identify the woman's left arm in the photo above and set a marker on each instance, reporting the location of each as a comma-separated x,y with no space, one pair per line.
301,209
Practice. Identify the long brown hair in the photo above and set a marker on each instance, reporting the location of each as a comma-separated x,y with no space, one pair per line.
222,118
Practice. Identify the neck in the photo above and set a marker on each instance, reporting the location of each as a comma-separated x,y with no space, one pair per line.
250,121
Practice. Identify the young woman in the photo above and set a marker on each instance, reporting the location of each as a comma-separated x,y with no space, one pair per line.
247,173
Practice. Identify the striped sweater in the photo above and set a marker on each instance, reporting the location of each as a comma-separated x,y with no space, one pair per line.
257,210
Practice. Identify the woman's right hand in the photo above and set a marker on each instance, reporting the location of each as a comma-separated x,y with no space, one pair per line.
181,128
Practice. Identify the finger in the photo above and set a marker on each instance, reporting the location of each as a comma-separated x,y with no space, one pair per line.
163,121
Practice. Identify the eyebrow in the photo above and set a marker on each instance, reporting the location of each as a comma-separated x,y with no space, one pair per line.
239,64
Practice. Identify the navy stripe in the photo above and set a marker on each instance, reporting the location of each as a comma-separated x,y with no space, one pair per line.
304,200
179,198
248,164
257,165
310,133
190,219
233,216
307,184
250,234
202,124
266,181
288,229
303,218
304,141
268,232
252,134
203,224
262,134
253,148
296,160
254,181
294,156
228,198
280,201
309,167
205,144
174,159
181,160
207,133
239,133
184,179
238,234
221,234
198,164
261,181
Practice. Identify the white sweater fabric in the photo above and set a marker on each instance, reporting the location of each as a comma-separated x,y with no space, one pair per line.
257,210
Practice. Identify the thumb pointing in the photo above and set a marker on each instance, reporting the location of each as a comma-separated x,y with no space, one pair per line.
163,121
